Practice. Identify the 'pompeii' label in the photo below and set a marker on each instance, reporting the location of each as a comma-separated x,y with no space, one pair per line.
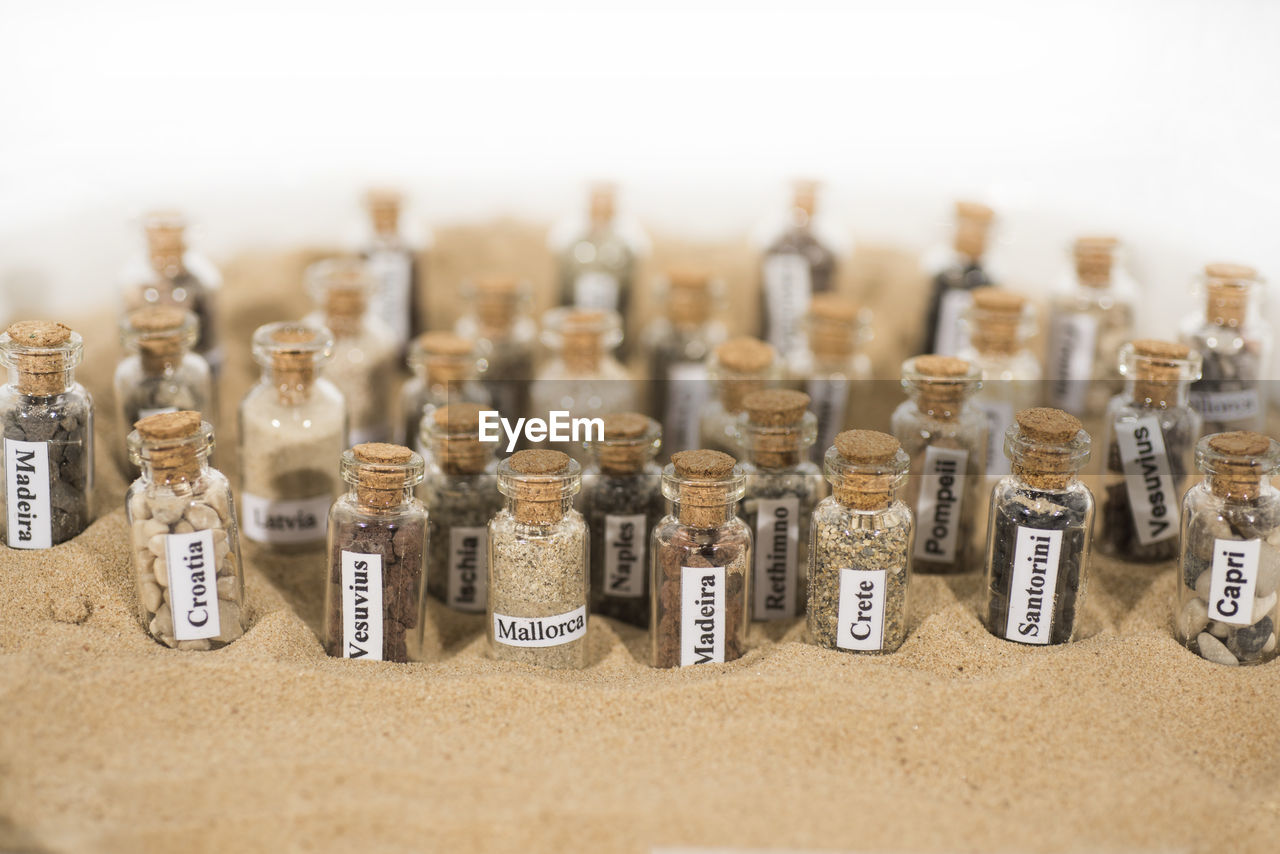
940,503
624,548
1072,344
702,617
829,398
1226,405
999,415
949,338
1232,582
1153,499
193,585
597,290
787,290
540,631
1034,585
687,392
394,273
26,467
283,521
777,554
861,614
361,606
468,568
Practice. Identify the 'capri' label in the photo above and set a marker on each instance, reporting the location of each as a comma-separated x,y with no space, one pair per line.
283,521
1034,585
540,631
861,613
1233,580
777,555
940,504
26,468
361,606
468,568
702,617
1153,498
624,547
193,584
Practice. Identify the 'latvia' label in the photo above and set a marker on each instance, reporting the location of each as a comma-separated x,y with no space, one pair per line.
468,568
540,631
361,606
1034,585
941,501
283,522
1233,581
26,468
702,617
193,585
777,555
861,613
624,547
1153,498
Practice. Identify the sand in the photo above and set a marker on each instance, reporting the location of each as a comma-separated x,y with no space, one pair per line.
1120,742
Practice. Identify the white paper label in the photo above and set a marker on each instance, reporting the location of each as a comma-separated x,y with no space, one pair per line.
26,468
540,631
1235,405
941,501
1153,500
777,553
468,568
999,415
393,270
1072,347
163,410
687,394
788,289
1233,580
595,289
361,606
702,617
281,521
861,614
949,338
193,585
1034,585
624,546
829,399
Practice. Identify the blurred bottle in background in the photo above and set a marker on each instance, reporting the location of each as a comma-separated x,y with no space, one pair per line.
393,262
506,337
956,272
832,364
796,265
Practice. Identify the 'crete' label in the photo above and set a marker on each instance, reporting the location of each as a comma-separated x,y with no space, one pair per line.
788,287
1034,585
624,547
861,613
702,617
1153,499
940,504
193,585
361,606
468,568
540,631
1233,580
1072,344
282,521
26,468
777,555
596,289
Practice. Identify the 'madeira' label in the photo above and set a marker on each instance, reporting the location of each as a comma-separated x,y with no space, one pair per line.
468,568
361,605
861,611
624,547
1153,500
777,558
940,504
285,521
1034,586
26,468
193,585
702,617
1072,345
540,631
1233,580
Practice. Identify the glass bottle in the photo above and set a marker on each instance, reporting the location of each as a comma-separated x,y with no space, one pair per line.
1229,569
946,440
860,557
506,339
956,274
461,495
393,262
377,551
1090,318
537,605
1151,435
445,369
597,265
700,583
1234,343
622,501
48,436
833,365
363,366
796,265
783,487
737,367
1039,533
678,345
293,425
182,519
160,374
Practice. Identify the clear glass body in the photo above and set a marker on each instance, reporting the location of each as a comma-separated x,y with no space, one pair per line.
506,342
422,394
597,268
796,265
1231,393
1087,326
459,507
956,274
832,379
718,425
679,388
182,381
394,263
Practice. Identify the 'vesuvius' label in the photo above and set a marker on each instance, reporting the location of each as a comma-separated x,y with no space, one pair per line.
702,617
777,556
788,287
540,631
361,605
624,547
193,585
26,467
1072,344
940,503
285,521
1153,500
1035,582
468,568
1233,581
861,611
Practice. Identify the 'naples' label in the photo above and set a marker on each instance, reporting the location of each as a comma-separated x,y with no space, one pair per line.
540,631
193,585
1034,585
468,568
624,545
702,617
26,468
1233,581
285,521
941,501
777,555
861,613
1153,499
361,605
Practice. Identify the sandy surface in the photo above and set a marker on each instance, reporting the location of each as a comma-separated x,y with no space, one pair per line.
1120,742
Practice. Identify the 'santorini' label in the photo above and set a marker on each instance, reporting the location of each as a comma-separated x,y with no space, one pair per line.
788,287
861,610
285,521
1034,585
468,568
540,631
193,585
940,504
361,605
1233,580
596,289
687,393
624,549
702,616
1072,345
777,553
26,467
1236,405
1153,499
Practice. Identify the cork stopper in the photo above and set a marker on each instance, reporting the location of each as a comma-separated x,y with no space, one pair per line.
1157,368
1228,288
833,326
1094,258
629,442
443,357
381,474
804,197
943,383
293,359
603,203
162,335
174,458
870,476
689,298
456,434
973,224
706,487
997,318
341,287
384,206
582,335
744,364
1238,476
1045,456
540,478
42,352
497,300
166,241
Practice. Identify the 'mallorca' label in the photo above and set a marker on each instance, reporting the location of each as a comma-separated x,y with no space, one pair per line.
26,468
361,606
1153,499
540,631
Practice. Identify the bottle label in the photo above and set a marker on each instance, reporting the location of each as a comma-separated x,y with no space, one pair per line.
999,415
788,289
861,614
777,552
361,605
162,410
1233,581
687,394
941,501
193,585
829,399
540,631
1147,478
1072,348
1235,405
26,467
285,521
624,547
1034,585
949,337
468,568
393,269
702,617
597,290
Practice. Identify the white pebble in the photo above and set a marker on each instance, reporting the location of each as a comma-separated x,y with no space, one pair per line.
1211,649
229,621
139,507
1262,607
1270,645
145,529
168,508
1219,630
183,527
203,517
152,597
1268,570
1202,584
161,570
156,544
199,645
1193,619
227,587
162,623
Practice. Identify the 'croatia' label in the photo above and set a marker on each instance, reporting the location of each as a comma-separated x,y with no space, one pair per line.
193,585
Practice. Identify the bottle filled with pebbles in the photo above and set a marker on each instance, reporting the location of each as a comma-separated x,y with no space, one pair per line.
860,552
1229,569
445,370
833,367
783,486
1151,436
293,425
461,494
738,367
537,606
506,339
48,436
377,548
959,270
1040,530
701,576
186,551
622,501
946,440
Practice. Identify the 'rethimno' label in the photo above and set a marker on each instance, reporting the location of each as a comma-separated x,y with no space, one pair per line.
540,631
861,611
940,503
361,605
193,585
624,547
1233,581
702,617
468,568
1072,345
1034,585
26,468
1153,500
596,289
1235,405
788,287
283,521
777,555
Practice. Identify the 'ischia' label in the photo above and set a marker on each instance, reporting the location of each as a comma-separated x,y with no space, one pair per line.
702,616
468,568
940,504
1153,498
1233,581
1034,585
26,468
861,613
788,287
361,605
285,521
193,585
777,556
540,631
624,547
1072,345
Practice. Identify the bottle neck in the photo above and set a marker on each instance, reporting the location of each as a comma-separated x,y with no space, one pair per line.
292,381
538,512
703,516
1157,394
378,500
866,492
176,468
43,383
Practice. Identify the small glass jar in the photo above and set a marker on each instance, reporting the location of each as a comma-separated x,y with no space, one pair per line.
833,368
796,266
597,264
1151,435
1234,343
160,374
48,436
957,273
1040,530
363,366
461,495
622,501
393,262
445,370
377,551
738,367
783,487
538,546
1229,567
506,339
946,440
701,576
182,519
860,553
293,425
